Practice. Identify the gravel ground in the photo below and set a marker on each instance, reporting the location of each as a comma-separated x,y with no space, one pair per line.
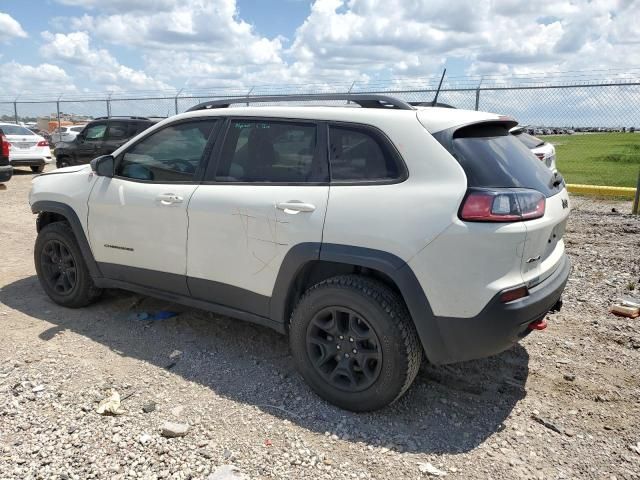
563,404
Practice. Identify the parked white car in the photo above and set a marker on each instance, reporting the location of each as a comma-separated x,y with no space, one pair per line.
370,236
26,149
545,151
66,134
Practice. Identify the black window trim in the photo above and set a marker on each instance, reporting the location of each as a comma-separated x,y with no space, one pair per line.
381,137
321,132
204,160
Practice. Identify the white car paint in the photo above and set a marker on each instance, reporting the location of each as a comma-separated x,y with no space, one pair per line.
547,154
236,235
26,148
66,133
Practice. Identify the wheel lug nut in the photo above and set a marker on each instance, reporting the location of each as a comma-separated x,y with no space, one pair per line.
351,339
341,337
338,347
346,355
355,351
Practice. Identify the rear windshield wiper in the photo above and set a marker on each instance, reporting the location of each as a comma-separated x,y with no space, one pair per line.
557,180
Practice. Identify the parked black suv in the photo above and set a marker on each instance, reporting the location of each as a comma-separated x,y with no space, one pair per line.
100,137
6,170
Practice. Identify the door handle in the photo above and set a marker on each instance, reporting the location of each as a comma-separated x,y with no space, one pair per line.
295,206
169,198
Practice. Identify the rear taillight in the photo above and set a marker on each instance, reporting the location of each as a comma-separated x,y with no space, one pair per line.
4,146
502,205
43,143
540,156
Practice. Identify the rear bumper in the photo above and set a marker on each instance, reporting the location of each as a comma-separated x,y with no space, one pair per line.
34,161
6,172
499,325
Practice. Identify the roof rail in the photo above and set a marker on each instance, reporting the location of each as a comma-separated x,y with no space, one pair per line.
431,104
124,116
364,100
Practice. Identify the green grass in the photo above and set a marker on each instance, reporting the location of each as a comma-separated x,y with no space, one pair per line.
611,159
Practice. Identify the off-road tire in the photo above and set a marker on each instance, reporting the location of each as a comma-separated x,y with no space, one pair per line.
84,290
388,317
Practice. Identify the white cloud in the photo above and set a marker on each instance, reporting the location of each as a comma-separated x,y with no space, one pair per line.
206,43
97,63
10,28
21,79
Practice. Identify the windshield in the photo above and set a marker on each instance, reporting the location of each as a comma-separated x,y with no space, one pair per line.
493,158
15,130
529,140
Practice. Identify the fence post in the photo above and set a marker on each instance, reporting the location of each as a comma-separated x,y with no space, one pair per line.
58,111
478,94
109,106
175,100
636,199
15,111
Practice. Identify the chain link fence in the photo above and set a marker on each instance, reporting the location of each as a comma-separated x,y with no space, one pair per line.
592,123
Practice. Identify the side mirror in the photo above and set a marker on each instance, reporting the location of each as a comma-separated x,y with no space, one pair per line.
103,166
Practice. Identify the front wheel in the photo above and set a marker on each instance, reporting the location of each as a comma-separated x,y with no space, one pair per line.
63,162
354,342
37,168
61,269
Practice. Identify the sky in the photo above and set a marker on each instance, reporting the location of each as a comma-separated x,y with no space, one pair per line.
134,45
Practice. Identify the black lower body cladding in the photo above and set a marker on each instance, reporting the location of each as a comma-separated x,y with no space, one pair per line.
500,325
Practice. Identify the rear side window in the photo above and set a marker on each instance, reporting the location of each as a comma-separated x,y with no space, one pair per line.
358,154
77,129
117,130
271,151
493,158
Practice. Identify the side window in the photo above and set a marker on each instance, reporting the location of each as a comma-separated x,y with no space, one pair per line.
95,132
117,131
358,154
271,151
172,154
137,127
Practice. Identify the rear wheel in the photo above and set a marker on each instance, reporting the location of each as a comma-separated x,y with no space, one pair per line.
37,168
354,343
61,269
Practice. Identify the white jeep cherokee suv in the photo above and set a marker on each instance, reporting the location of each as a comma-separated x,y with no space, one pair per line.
370,236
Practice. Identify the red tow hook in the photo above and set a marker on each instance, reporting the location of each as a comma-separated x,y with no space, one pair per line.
538,324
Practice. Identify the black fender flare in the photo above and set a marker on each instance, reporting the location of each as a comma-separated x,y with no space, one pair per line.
391,265
70,214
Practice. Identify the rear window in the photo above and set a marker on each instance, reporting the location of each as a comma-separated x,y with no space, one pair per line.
493,158
15,130
529,140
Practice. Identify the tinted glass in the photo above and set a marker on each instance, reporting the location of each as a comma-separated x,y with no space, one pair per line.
359,155
264,151
529,140
77,129
95,132
117,130
15,130
172,154
491,157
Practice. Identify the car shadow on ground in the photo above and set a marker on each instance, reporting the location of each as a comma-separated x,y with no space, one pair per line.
450,409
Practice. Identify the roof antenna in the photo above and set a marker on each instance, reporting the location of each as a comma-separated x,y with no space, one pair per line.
435,99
